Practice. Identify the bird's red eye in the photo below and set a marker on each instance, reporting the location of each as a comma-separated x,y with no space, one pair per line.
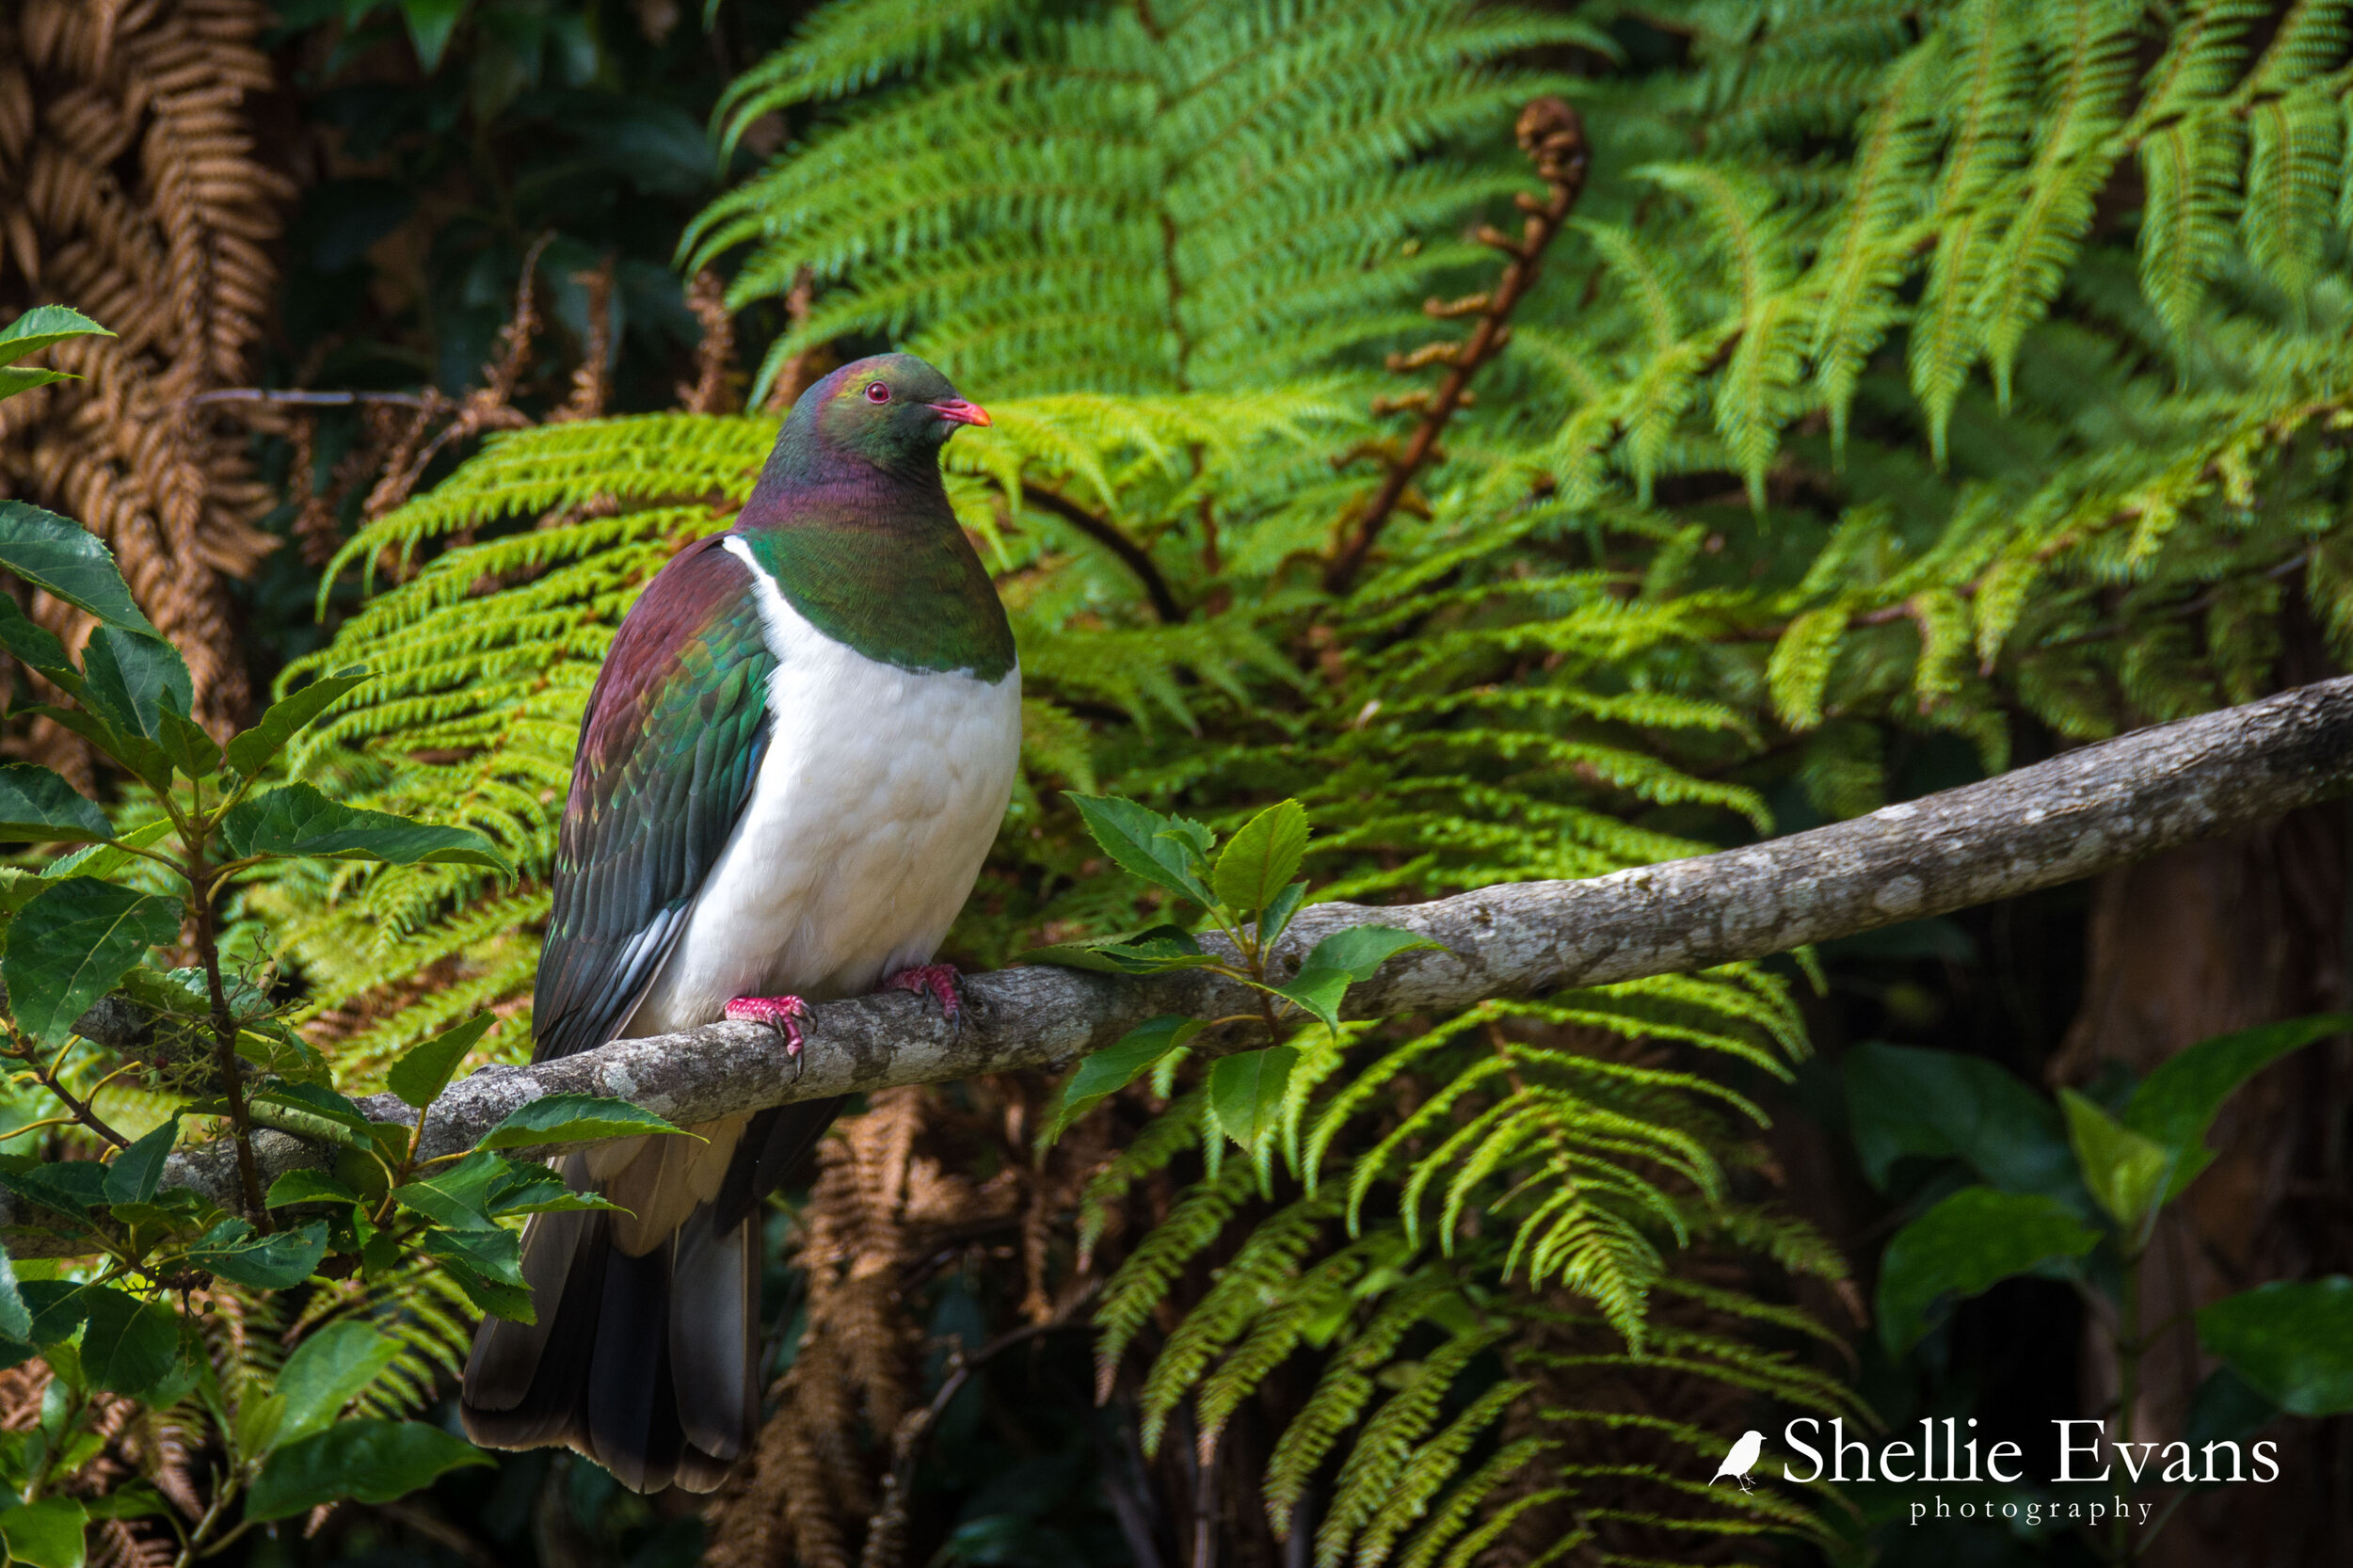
877,392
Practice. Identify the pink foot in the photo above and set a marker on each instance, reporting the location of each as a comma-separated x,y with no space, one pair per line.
938,981
784,1015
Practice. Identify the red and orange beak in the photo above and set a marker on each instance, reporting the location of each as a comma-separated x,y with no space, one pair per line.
958,412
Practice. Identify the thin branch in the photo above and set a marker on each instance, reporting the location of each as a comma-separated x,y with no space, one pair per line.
1554,137
2083,813
1104,531
306,399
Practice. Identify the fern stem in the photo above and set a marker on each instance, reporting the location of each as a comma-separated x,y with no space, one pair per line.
1554,137
1104,531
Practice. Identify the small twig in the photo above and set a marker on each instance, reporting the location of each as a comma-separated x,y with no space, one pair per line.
1103,531
1552,135
51,1080
306,399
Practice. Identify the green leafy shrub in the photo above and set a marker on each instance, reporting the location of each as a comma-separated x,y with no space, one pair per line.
90,1002
2073,1189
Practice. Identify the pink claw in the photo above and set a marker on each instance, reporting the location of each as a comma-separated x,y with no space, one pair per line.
936,980
784,1015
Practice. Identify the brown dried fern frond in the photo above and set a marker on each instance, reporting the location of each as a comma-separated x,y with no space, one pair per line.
134,1441
891,1212
129,190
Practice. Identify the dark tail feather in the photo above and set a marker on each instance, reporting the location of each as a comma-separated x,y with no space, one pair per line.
649,1366
522,1380
714,1346
627,1393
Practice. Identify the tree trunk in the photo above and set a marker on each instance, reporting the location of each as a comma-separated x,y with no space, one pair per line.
2201,941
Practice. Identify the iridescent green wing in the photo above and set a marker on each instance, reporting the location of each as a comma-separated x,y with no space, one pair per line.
676,729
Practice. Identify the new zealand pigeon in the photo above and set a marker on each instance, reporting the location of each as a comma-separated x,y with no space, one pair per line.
793,761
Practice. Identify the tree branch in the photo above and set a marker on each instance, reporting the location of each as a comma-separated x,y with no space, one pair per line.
2086,811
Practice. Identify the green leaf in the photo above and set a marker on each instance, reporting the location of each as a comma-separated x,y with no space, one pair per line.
368,1461
137,1171
1246,1093
129,1344
493,1253
2127,1173
2293,1341
1261,860
1342,959
58,1306
2176,1104
16,1319
280,1051
1971,1241
42,326
2226,1408
46,1534
272,1109
108,860
430,24
328,1372
1152,952
40,807
133,679
298,820
1318,991
68,1185
457,1193
1275,918
254,750
1164,851
72,944
173,1209
36,645
69,561
573,1119
17,378
1361,950
321,1101
509,1302
276,1262
1105,1072
526,1188
306,1187
143,756
1939,1104
423,1070
192,751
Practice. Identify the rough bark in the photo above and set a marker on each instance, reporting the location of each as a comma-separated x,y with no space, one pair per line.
2210,938
2087,811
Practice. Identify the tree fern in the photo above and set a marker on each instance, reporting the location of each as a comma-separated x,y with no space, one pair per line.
1206,199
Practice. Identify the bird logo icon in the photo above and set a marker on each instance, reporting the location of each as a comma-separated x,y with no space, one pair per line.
1740,1460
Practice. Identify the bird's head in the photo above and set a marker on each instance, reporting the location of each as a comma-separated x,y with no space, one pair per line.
891,409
